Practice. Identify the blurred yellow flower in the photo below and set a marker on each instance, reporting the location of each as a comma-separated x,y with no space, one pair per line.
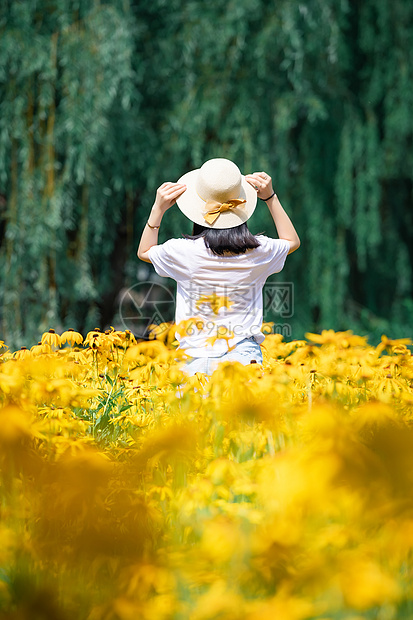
282,490
219,602
14,426
365,584
283,605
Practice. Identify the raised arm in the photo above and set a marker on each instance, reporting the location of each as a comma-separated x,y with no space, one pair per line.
285,229
166,196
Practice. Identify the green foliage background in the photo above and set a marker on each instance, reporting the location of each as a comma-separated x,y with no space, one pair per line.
100,102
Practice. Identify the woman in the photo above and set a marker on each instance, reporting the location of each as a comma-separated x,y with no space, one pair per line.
221,269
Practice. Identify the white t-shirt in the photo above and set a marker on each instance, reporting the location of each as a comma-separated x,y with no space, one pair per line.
223,292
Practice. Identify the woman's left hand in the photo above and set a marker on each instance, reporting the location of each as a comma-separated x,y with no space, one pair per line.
167,194
261,182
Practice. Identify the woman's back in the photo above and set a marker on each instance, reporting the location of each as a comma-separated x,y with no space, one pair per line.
224,293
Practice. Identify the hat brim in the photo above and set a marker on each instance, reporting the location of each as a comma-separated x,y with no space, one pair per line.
193,206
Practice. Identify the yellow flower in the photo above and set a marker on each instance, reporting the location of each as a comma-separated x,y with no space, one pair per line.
51,338
92,335
390,345
145,351
267,328
341,339
189,326
22,353
39,349
223,333
326,337
273,491
161,331
120,339
71,337
79,356
129,337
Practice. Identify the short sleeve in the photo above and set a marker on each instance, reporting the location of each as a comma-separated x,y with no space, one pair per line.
169,259
276,251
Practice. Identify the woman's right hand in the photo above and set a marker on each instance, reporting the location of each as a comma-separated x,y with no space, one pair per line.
262,183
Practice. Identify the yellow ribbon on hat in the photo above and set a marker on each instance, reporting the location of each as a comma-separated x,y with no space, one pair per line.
214,208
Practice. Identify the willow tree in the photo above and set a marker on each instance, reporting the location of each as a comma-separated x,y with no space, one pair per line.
317,93
101,102
66,93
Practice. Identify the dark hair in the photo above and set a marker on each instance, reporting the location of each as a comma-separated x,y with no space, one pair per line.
222,241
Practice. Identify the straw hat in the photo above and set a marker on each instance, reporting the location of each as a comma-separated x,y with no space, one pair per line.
217,195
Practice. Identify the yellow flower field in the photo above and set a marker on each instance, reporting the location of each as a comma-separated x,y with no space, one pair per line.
281,491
